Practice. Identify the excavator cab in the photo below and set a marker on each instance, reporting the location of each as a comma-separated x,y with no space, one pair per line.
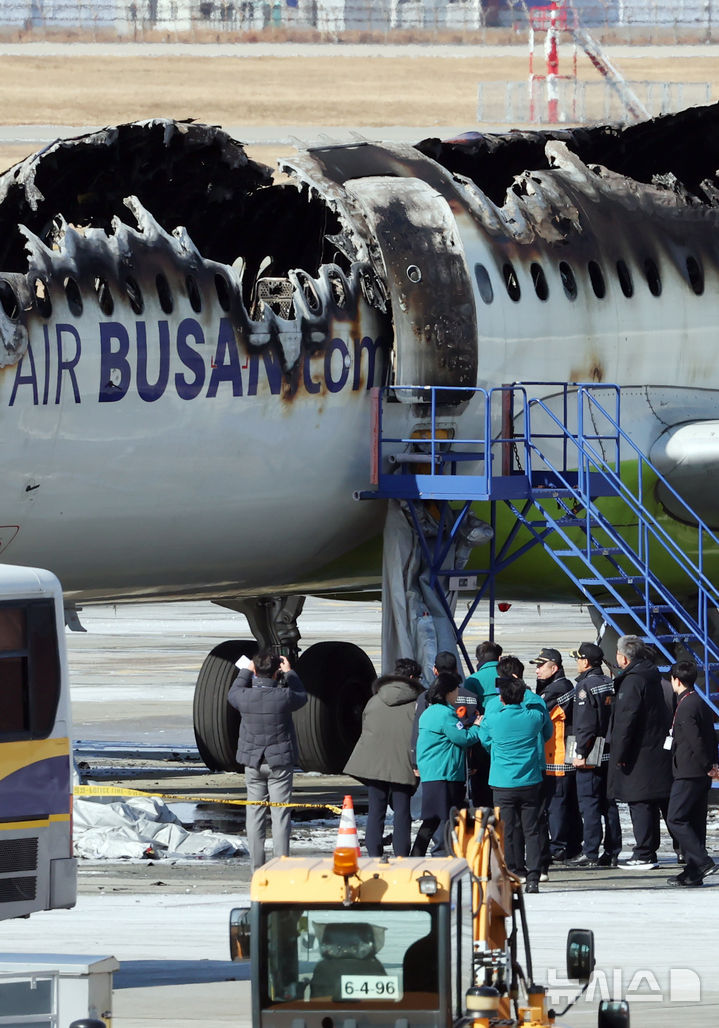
394,953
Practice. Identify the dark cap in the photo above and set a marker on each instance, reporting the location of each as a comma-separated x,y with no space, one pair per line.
590,652
547,653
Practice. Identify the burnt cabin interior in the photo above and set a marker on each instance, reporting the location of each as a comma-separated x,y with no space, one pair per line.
196,176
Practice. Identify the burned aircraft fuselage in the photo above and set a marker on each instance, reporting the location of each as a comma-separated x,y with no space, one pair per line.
188,348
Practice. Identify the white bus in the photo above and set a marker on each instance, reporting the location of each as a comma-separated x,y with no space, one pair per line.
37,868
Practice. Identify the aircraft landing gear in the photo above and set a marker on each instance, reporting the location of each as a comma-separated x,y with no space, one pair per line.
337,675
216,722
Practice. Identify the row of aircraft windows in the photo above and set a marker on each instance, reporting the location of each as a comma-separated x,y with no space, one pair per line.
43,304
596,279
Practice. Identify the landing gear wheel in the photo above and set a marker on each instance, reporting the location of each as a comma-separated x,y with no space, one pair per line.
338,677
216,722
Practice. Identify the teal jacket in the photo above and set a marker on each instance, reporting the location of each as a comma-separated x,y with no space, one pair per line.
515,735
483,682
441,743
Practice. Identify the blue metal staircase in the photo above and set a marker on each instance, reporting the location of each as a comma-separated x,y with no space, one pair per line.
577,484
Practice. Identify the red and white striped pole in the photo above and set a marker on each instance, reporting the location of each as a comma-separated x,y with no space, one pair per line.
551,51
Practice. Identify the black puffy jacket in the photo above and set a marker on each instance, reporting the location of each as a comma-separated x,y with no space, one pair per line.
267,734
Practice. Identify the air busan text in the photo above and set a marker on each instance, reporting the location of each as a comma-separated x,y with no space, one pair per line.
154,359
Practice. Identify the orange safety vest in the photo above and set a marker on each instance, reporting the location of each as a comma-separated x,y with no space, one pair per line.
554,747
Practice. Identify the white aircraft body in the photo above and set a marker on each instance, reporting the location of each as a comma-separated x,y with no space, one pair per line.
188,351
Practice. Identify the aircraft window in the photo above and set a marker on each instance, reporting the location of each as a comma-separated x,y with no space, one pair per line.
568,280
41,297
696,275
163,293
223,292
484,283
8,300
540,282
653,280
511,282
597,279
73,297
308,291
339,292
194,294
104,296
134,295
625,278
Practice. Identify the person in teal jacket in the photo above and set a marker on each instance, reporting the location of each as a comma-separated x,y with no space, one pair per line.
514,733
483,682
441,744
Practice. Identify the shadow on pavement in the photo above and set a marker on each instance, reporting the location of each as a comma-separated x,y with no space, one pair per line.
138,974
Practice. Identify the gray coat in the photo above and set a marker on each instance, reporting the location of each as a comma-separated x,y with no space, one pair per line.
267,734
382,753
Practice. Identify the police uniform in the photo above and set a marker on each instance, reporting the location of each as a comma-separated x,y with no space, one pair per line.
593,696
560,820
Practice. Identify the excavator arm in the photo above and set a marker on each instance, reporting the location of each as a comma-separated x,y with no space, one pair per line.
502,987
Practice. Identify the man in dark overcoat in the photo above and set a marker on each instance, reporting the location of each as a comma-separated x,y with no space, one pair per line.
640,767
694,764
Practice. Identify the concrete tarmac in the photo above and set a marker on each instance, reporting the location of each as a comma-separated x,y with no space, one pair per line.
133,674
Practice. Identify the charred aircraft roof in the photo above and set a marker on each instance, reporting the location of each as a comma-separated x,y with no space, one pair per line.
680,151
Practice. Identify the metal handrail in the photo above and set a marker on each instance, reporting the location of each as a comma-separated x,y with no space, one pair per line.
692,569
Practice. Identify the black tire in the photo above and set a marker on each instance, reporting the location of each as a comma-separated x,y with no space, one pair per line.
216,722
338,677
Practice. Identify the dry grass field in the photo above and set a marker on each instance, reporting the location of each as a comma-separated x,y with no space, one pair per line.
281,91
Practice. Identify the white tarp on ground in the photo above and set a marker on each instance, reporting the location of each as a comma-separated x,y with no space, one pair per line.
143,827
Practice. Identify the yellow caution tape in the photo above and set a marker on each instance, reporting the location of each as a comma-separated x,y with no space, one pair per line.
114,790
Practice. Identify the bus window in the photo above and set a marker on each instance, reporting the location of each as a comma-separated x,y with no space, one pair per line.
14,709
29,669
38,871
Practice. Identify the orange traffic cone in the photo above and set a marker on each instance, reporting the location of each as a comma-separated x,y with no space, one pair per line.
347,831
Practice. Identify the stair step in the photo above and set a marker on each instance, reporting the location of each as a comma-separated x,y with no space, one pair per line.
549,492
604,551
622,610
599,580
656,608
624,579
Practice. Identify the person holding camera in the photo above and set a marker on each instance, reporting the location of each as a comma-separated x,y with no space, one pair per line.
266,692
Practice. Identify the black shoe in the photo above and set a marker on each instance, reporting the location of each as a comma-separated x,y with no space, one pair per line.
558,858
709,869
683,881
607,860
583,861
531,887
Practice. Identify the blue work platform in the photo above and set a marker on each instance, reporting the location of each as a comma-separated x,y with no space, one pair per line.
574,480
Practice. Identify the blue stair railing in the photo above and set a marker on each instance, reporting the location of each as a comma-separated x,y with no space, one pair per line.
660,616
571,459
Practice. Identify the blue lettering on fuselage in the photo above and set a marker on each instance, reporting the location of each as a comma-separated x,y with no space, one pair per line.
141,360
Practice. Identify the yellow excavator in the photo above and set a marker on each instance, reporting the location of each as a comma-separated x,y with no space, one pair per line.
347,942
